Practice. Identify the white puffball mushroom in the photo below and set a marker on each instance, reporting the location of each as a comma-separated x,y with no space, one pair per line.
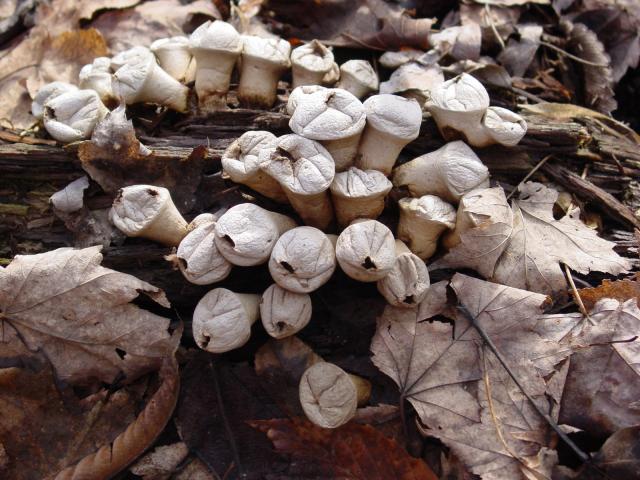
174,56
305,170
422,221
141,79
128,56
300,92
407,283
216,46
198,257
358,77
504,126
222,320
365,250
335,118
310,63
449,172
240,163
148,211
97,76
457,106
359,194
330,396
49,92
284,313
393,60
263,62
73,115
302,260
414,80
246,233
332,76
392,123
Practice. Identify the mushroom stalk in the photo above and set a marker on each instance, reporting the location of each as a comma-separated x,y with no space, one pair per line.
422,221
365,250
358,78
222,320
310,63
359,194
173,56
246,233
148,211
302,260
392,122
284,313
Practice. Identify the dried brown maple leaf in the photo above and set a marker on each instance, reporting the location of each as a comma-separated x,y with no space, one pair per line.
79,315
351,451
524,246
460,391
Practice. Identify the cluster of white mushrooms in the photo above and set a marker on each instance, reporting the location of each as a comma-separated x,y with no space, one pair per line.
333,170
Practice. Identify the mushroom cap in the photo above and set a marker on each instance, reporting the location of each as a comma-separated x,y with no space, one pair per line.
100,65
504,126
328,114
360,71
137,206
199,259
414,76
274,51
246,234
284,313
240,160
220,322
460,94
366,250
312,56
328,396
72,116
302,260
407,283
300,165
393,60
49,92
298,93
179,42
429,208
356,183
131,55
395,115
216,36
129,79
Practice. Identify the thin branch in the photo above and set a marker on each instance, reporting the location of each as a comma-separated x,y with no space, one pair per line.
494,29
529,175
576,294
571,56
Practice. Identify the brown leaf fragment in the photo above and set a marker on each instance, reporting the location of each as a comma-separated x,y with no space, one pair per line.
350,451
620,290
618,457
115,158
79,315
518,54
524,246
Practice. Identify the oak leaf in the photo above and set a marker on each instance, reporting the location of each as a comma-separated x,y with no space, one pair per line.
525,248
78,313
350,451
460,391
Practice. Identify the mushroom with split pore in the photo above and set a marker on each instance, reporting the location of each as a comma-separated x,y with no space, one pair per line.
422,221
174,57
359,194
407,283
263,61
300,92
246,233
148,211
365,250
72,116
358,78
449,173
392,122
335,118
330,396
240,162
302,260
503,126
310,63
332,76
97,76
284,313
216,46
49,92
141,79
222,320
305,170
198,257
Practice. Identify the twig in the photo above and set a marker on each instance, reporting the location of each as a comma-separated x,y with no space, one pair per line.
530,174
563,436
576,294
493,26
571,56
